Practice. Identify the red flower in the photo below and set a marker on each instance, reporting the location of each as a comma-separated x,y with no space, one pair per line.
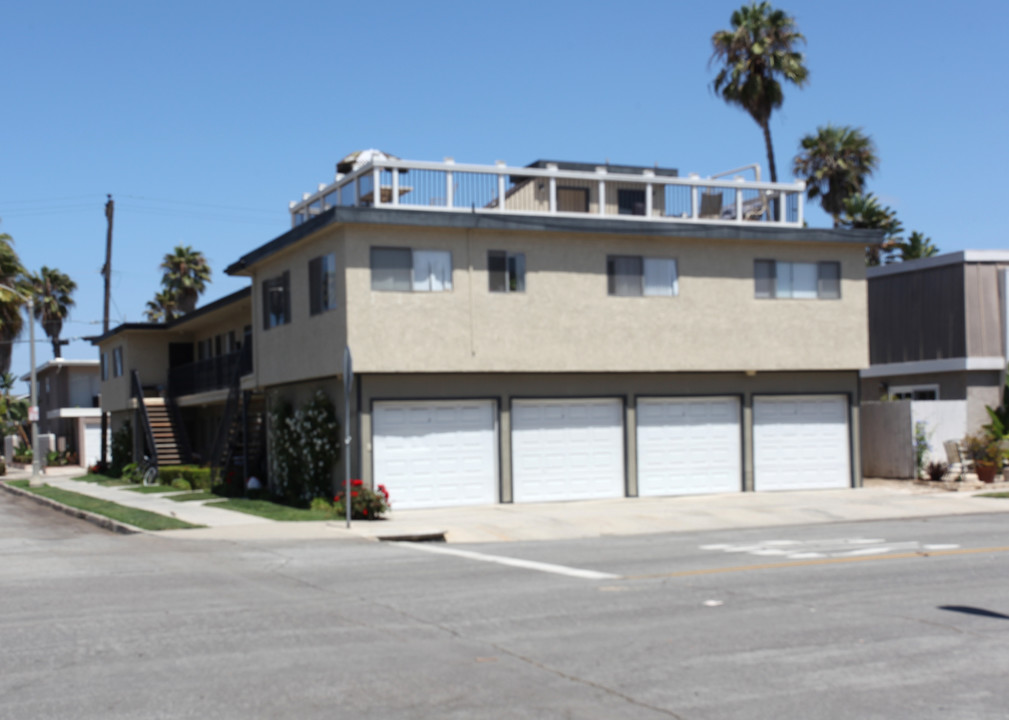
353,493
364,511
356,483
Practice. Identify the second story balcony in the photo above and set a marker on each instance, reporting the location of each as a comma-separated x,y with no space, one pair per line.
557,188
216,373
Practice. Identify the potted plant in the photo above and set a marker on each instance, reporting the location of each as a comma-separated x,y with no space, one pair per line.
987,454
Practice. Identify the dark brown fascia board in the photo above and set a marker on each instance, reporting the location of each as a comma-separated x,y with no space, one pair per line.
174,324
535,223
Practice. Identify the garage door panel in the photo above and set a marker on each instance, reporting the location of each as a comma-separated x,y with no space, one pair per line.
688,446
436,454
801,443
567,449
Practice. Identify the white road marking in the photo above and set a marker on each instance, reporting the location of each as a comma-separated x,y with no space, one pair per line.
713,603
513,562
832,547
939,547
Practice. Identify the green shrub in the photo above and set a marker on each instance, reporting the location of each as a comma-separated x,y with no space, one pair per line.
122,449
305,445
321,505
181,484
131,472
197,477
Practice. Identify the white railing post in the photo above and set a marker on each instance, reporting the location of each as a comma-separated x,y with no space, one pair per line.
694,208
602,190
800,207
376,181
553,188
395,185
739,200
648,192
500,186
449,184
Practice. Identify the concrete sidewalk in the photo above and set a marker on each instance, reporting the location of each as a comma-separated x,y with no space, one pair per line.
879,500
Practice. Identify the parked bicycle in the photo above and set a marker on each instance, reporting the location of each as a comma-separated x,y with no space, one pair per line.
148,471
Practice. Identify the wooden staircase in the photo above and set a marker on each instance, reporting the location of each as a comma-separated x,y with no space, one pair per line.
169,451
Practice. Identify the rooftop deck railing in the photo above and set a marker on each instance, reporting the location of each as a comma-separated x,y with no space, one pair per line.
451,187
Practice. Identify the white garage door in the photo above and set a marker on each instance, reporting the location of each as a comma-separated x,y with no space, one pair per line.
436,454
801,443
93,443
688,446
567,449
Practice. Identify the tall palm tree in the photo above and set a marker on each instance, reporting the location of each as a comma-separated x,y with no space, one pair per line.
865,212
754,54
186,276
52,291
916,246
835,163
162,308
11,320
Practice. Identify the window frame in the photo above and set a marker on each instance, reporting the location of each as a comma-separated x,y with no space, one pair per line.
282,283
512,274
322,284
410,280
613,287
766,279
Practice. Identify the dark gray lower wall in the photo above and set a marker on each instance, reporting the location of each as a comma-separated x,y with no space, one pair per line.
503,388
887,451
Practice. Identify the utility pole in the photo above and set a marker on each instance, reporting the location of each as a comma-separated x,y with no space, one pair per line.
110,208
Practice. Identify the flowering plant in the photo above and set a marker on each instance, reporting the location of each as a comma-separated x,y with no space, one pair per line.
305,447
365,503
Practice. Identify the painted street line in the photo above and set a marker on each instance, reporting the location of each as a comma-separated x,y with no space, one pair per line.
813,549
513,562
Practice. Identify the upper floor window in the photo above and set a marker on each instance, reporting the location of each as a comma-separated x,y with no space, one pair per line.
277,301
631,202
632,275
775,279
407,270
506,271
117,361
321,284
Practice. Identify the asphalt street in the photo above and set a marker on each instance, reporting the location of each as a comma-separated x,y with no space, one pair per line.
882,619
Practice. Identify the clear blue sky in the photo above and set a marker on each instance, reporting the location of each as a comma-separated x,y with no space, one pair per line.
203,119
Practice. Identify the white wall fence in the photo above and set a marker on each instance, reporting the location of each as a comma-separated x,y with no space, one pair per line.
888,433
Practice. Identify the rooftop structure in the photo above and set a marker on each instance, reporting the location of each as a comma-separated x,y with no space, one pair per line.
554,188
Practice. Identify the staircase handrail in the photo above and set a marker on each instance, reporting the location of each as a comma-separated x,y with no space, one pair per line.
138,393
224,429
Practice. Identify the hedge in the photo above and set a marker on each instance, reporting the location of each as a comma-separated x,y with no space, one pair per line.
197,477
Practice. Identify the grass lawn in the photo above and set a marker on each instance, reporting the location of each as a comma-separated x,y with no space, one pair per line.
188,497
152,489
138,518
273,511
103,480
995,495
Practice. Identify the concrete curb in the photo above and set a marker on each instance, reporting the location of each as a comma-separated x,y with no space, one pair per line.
101,521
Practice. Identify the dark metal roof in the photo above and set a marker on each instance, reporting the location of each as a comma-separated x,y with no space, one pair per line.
591,167
199,312
539,223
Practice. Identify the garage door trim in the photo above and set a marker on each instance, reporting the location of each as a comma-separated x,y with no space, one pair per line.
849,420
740,398
495,416
625,429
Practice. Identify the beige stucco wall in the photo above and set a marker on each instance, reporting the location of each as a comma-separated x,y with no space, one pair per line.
566,321
143,351
310,345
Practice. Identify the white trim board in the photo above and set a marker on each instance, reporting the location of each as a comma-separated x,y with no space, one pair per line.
923,367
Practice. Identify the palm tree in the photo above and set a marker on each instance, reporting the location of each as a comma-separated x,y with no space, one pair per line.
11,320
916,246
162,308
865,212
52,291
835,163
754,54
186,276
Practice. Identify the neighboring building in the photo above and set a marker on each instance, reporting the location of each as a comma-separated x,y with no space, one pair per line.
938,329
192,375
517,340
68,406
